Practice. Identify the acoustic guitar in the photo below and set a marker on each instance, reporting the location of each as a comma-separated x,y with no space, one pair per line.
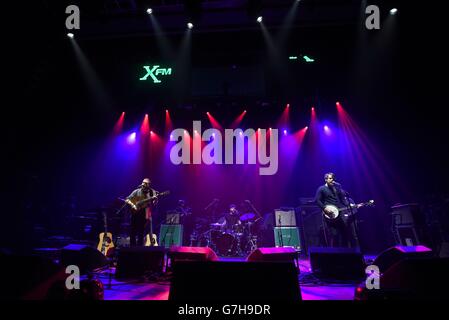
105,243
146,202
152,242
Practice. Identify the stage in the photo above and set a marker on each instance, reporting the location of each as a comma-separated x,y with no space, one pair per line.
157,288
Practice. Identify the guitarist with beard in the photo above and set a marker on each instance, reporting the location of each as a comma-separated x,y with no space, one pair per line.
341,230
141,217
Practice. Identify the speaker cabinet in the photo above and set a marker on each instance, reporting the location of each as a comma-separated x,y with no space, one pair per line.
337,263
85,257
137,261
285,217
170,235
393,255
215,281
287,237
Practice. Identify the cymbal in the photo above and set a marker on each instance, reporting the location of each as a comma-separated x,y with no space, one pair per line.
215,225
247,216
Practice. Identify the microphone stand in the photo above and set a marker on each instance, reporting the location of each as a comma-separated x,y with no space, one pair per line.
281,241
250,235
353,220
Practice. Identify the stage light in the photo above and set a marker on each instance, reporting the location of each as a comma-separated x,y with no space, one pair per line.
151,132
338,103
207,112
190,25
149,11
166,110
70,35
393,11
131,138
244,111
326,128
171,136
306,127
285,132
259,19
288,105
313,109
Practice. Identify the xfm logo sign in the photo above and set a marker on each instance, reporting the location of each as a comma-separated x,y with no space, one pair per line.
155,71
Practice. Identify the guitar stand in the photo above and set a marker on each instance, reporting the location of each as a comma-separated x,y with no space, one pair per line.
110,277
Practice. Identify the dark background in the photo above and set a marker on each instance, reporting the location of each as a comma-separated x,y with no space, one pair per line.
54,122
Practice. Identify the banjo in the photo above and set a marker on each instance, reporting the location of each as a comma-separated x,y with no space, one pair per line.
333,212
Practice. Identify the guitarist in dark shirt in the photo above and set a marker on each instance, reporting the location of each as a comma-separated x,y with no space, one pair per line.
341,231
141,217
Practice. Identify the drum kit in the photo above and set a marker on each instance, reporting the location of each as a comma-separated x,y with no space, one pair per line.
231,241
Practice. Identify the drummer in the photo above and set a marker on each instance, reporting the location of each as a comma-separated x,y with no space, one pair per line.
231,219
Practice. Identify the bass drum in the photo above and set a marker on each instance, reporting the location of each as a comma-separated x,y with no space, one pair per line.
225,244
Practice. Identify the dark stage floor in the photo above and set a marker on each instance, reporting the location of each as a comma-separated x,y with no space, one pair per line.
157,288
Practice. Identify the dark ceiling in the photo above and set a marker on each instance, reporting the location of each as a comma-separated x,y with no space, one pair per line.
125,18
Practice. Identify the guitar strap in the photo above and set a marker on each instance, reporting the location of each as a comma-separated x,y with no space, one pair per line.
148,213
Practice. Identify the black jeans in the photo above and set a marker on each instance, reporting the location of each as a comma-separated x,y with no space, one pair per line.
138,222
341,232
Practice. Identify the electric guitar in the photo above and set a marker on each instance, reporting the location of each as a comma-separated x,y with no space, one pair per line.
105,244
333,212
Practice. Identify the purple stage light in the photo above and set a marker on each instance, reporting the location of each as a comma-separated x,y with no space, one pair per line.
131,138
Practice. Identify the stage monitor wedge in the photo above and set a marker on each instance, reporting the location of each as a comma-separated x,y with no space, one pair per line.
85,257
393,255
